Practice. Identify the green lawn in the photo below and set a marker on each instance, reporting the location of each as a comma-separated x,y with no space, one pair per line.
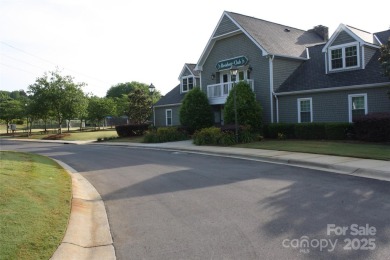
35,200
352,149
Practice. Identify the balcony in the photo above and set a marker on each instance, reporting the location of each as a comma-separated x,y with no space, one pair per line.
218,93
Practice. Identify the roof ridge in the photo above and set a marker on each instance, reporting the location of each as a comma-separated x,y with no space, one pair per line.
268,21
357,28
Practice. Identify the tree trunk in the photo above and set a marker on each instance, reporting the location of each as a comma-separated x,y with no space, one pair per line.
81,124
68,126
7,126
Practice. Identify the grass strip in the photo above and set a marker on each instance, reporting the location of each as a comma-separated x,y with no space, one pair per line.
35,201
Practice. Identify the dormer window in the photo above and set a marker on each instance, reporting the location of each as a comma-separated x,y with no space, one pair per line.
187,83
343,57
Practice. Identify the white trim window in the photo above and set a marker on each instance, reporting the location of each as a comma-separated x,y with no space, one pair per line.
346,56
168,117
357,106
305,110
187,83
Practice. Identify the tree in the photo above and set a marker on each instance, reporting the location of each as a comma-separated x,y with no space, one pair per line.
57,91
195,111
76,105
99,108
248,109
384,59
140,103
10,109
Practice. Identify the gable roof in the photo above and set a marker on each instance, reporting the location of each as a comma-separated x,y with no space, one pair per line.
383,36
363,37
271,38
277,39
173,97
310,75
191,68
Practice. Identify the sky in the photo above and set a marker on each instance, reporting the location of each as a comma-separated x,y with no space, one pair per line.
103,43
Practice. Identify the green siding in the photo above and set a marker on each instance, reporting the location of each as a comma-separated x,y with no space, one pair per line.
159,113
240,45
368,54
332,106
225,26
343,38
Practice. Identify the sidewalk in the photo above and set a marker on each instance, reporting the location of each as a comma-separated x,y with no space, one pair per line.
375,169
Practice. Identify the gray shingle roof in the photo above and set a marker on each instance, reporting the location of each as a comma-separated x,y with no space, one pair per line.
383,36
310,75
275,39
365,36
192,66
172,97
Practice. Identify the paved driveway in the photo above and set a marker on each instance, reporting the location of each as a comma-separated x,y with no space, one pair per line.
174,205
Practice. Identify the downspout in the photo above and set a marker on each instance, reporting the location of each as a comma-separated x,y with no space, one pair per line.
277,107
271,84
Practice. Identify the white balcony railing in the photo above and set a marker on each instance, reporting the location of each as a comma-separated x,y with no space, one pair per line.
218,93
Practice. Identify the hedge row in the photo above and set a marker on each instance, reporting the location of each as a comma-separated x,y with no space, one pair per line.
165,134
326,131
131,130
225,135
374,127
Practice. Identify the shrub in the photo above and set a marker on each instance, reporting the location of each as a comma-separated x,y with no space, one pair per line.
248,108
195,111
310,131
338,131
131,130
165,134
374,127
273,130
210,135
224,135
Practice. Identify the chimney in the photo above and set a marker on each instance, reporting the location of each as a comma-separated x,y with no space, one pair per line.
322,31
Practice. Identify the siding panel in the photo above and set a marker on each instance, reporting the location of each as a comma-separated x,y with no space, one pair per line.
283,68
343,38
240,45
160,119
332,106
225,26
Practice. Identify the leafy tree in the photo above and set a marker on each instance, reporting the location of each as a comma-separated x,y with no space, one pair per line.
10,109
119,89
384,59
99,108
248,109
56,91
39,106
140,103
195,111
76,104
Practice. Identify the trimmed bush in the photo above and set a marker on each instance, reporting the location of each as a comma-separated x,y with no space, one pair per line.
338,131
374,127
310,131
131,130
165,134
275,130
195,111
226,135
248,108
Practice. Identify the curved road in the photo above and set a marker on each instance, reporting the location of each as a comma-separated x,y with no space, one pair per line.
175,205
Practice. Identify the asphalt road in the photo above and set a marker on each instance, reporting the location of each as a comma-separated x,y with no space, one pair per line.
175,205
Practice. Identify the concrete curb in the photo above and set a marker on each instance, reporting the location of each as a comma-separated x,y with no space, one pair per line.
88,233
